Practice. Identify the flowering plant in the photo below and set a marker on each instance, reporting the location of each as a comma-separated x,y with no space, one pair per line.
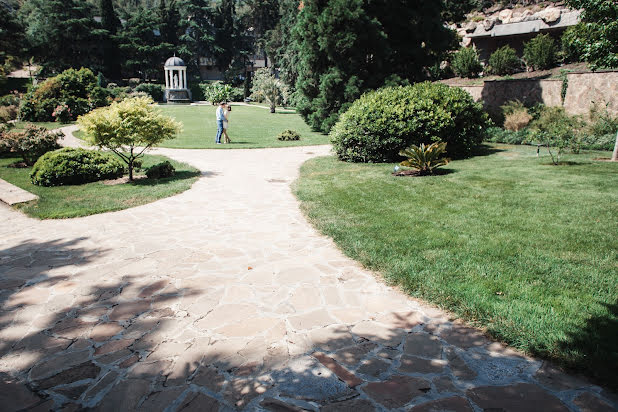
62,113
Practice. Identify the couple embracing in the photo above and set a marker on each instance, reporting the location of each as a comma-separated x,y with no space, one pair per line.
223,115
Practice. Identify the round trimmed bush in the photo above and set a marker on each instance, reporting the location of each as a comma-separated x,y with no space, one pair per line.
504,61
160,170
289,135
381,123
70,166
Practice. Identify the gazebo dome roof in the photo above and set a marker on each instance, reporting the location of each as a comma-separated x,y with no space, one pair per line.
174,61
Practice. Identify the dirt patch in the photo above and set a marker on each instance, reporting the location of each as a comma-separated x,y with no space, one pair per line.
122,180
411,173
18,165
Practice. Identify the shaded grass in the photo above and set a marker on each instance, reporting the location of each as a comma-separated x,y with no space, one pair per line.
92,198
524,249
250,127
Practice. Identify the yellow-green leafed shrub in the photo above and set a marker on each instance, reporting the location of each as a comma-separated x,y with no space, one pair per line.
128,128
70,166
382,123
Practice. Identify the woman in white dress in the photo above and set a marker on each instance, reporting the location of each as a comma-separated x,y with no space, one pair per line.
226,119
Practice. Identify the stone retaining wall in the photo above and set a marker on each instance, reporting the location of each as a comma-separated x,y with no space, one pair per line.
584,89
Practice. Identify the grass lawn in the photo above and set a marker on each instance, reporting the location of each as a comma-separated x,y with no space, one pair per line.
526,250
250,127
47,125
88,199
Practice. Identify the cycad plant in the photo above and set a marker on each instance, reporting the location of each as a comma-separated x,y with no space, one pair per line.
425,158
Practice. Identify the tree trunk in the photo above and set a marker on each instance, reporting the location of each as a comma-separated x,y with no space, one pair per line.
615,155
272,107
131,166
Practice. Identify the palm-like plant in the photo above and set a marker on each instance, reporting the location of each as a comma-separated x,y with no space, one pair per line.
425,158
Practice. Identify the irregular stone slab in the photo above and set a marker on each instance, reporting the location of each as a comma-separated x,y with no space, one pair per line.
198,402
458,366
58,363
103,384
422,344
86,370
332,337
113,346
454,404
345,375
127,311
311,320
15,396
414,364
397,391
464,337
353,405
306,378
12,195
373,367
354,354
444,384
209,377
552,377
105,331
241,391
587,402
125,395
158,401
275,405
403,320
378,333
521,397
72,392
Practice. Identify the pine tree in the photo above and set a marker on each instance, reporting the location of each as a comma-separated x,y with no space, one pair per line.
111,53
263,16
197,40
346,47
62,34
141,48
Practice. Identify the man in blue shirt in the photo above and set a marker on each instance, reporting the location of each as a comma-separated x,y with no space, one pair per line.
220,119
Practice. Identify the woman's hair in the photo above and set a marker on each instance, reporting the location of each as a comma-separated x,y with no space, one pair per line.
229,107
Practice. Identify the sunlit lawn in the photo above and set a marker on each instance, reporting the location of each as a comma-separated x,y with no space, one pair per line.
249,127
507,241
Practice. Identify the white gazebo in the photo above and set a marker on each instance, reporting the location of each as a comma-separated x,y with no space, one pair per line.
176,90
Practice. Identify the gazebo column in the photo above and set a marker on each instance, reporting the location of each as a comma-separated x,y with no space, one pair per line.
184,77
167,83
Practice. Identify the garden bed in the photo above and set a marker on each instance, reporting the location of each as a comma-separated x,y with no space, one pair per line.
98,197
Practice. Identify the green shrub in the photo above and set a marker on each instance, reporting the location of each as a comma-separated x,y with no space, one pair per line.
504,61
466,63
31,143
160,170
425,159
556,129
216,92
10,100
71,166
237,94
288,135
382,123
153,90
540,53
76,88
571,50
500,135
8,113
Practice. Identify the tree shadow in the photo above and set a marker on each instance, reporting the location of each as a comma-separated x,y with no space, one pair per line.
178,175
595,347
485,150
93,336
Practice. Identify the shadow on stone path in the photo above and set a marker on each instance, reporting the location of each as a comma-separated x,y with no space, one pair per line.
225,298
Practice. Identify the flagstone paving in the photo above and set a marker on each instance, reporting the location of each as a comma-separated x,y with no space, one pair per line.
224,298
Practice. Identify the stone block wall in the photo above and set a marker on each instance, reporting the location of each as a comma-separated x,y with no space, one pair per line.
584,89
587,88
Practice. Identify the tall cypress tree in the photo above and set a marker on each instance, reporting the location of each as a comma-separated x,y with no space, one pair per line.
111,53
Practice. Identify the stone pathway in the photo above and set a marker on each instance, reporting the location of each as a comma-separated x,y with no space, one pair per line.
11,194
225,298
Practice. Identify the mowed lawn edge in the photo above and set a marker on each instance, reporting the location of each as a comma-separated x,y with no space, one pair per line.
71,201
525,250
